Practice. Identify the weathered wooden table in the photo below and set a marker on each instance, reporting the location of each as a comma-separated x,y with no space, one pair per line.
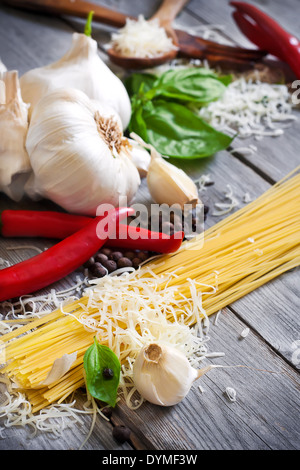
265,414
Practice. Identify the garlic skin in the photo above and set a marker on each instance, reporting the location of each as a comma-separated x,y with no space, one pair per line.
78,154
14,161
81,68
2,67
162,374
140,157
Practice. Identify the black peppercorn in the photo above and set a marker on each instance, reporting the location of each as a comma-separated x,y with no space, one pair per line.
116,255
108,373
129,254
121,433
110,265
168,228
89,262
97,270
107,412
124,263
136,262
105,251
142,255
100,257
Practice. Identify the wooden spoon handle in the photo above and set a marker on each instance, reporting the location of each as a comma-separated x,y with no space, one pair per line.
168,11
77,8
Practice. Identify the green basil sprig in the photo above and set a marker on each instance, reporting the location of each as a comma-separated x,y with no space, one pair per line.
162,111
97,360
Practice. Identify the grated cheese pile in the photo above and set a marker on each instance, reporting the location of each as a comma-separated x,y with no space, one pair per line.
141,38
251,108
131,311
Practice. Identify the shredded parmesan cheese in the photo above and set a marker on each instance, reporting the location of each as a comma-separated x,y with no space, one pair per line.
141,38
231,393
251,108
225,207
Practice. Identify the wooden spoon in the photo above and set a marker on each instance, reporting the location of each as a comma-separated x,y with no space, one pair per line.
166,14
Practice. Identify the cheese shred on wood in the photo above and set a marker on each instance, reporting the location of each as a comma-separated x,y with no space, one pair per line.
166,300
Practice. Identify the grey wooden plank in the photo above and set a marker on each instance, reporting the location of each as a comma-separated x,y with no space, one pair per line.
30,40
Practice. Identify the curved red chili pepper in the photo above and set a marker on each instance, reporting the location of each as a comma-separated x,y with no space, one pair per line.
60,260
267,34
48,224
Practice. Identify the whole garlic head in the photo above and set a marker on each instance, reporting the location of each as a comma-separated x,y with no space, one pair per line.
162,374
78,154
81,68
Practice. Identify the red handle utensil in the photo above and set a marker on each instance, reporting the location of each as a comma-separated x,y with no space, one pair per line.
267,34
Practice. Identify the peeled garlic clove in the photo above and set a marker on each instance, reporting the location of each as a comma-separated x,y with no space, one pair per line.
14,161
163,375
81,68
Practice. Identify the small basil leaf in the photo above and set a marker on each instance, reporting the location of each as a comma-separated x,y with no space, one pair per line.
134,82
97,358
198,85
175,131
137,123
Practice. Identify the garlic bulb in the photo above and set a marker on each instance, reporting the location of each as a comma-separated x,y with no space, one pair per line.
163,375
79,156
14,161
168,184
81,68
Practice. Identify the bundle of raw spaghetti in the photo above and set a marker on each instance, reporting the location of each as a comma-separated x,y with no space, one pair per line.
166,299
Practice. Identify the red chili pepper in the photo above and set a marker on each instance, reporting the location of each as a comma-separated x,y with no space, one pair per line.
59,260
47,224
267,34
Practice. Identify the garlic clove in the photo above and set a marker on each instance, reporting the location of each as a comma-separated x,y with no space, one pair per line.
14,160
163,375
170,185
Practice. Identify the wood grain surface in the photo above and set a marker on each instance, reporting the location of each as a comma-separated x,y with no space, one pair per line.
265,415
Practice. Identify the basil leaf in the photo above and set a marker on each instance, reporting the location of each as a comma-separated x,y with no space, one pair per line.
198,85
139,82
97,358
175,131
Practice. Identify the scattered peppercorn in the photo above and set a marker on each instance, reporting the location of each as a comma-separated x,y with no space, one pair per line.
107,412
100,257
106,251
108,260
97,270
121,433
110,265
124,262
116,255
136,262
